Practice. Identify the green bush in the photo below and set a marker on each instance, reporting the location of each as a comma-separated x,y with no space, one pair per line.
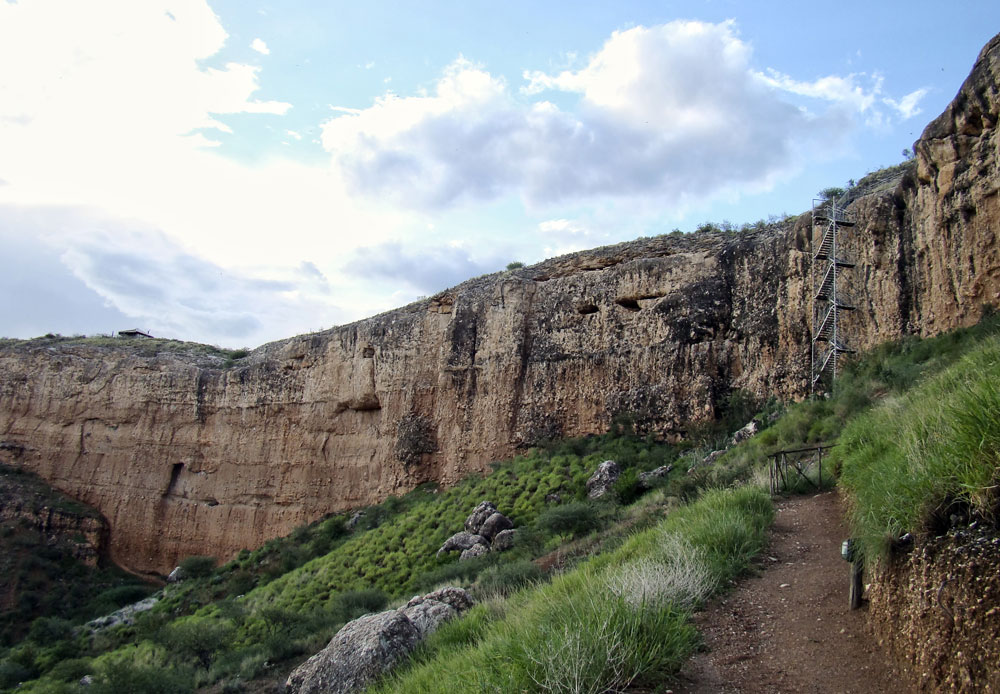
71,670
508,577
197,566
626,488
47,630
575,518
124,677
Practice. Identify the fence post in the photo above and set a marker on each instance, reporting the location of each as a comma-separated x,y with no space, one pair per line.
857,582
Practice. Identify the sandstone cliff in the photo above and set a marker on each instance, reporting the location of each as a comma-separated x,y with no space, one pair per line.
185,457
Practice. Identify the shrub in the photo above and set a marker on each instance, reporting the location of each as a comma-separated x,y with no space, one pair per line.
71,670
197,566
47,630
626,488
354,603
507,577
123,677
515,265
678,577
414,438
197,637
575,518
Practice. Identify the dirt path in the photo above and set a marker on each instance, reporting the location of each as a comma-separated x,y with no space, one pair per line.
789,629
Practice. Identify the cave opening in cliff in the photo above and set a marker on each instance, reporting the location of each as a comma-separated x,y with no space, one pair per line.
175,473
587,309
627,303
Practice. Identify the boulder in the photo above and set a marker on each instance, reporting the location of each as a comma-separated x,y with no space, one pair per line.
495,524
553,498
361,651
427,615
503,541
478,516
746,432
473,552
603,478
461,541
371,645
648,479
176,576
450,595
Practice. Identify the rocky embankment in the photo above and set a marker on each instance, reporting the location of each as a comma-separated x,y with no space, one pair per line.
184,456
936,608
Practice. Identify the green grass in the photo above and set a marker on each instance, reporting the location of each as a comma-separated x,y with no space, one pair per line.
919,458
580,634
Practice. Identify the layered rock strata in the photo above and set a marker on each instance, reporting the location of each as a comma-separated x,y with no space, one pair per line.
184,456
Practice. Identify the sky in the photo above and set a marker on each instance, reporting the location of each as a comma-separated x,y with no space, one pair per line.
240,171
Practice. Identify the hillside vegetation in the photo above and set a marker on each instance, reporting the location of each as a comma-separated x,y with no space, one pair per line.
596,593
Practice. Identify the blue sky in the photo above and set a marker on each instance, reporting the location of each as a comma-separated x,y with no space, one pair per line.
236,172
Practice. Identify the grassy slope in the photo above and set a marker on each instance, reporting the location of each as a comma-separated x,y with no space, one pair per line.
923,457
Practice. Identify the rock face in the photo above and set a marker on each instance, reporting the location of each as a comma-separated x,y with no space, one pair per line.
370,645
185,456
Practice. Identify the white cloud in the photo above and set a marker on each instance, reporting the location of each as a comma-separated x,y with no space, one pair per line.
859,93
666,112
908,106
260,46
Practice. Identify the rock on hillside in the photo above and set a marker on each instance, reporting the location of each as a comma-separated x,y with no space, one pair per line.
187,457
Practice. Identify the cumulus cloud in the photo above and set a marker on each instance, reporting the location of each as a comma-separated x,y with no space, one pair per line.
427,270
260,46
666,111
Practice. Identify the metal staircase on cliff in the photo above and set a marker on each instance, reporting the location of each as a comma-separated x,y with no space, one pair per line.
830,298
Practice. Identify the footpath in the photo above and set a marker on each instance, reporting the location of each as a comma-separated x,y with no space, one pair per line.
788,628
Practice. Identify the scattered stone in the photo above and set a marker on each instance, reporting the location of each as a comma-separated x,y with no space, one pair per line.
478,516
473,552
124,616
86,680
176,576
553,498
707,460
371,645
748,431
503,541
647,480
355,519
461,541
604,477
495,524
